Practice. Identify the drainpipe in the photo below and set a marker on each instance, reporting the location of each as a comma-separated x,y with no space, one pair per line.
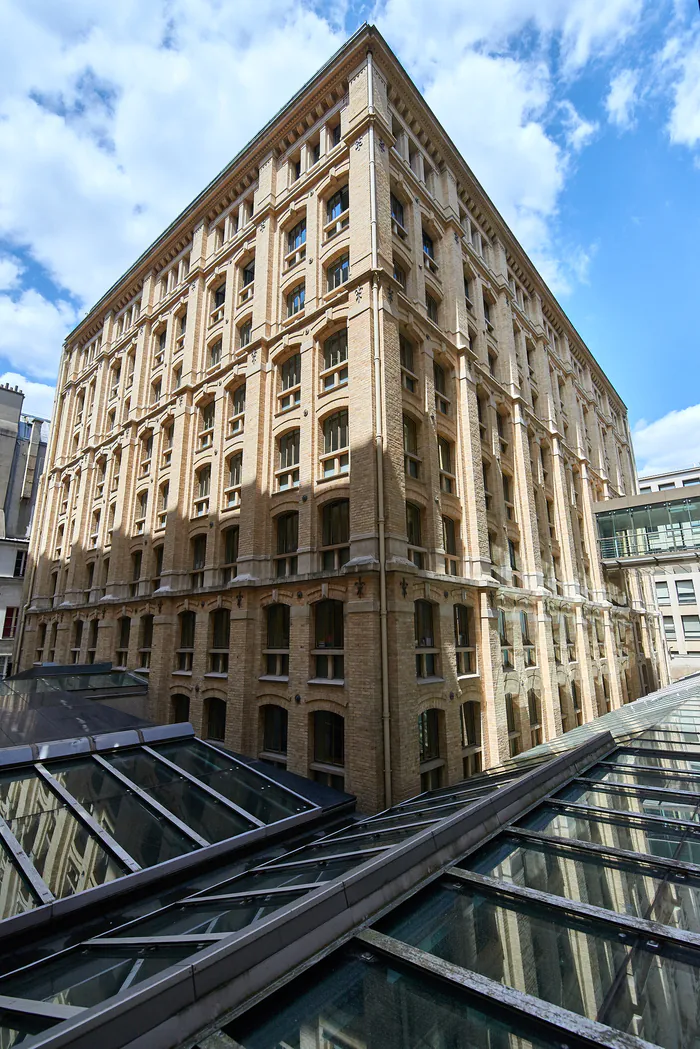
379,444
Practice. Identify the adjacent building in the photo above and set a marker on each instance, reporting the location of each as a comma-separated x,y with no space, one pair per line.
325,460
662,529
22,452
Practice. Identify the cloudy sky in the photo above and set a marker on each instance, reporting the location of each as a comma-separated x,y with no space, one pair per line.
581,120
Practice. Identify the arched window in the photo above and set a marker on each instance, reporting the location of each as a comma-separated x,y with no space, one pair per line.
185,650
288,471
274,724
335,534
276,650
470,724
432,765
218,301
215,718
328,735
236,411
426,641
329,647
179,709
290,383
233,481
207,421
287,529
219,640
202,490
335,360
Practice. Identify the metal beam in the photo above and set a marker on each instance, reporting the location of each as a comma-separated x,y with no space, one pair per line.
643,927
43,1010
626,817
633,790
25,865
84,816
256,772
186,939
206,788
151,803
560,1024
578,845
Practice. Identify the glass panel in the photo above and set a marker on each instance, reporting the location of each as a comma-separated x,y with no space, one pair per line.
264,799
207,918
581,966
15,894
276,877
602,881
87,976
26,794
353,1004
657,839
366,841
679,764
193,806
414,816
642,778
15,1029
143,833
611,799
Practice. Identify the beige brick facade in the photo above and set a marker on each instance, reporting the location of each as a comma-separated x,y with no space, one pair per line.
429,379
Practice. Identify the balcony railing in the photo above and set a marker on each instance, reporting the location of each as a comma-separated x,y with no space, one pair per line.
642,543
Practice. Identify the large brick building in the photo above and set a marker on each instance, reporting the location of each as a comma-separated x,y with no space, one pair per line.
323,464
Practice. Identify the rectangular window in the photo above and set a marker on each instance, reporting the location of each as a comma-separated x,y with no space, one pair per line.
336,456
447,475
506,646
685,588
245,332
338,272
220,629
287,544
295,300
234,481
329,650
449,541
9,628
410,448
662,593
296,244
20,564
290,378
429,735
276,651
335,360
398,222
669,628
229,568
691,627
431,306
464,643
409,379
529,651
237,408
288,472
337,213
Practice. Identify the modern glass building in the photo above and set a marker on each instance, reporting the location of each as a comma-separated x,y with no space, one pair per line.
554,900
653,524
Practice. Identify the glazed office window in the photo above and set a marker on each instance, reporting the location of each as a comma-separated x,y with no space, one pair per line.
465,650
416,551
207,420
296,244
448,482
432,767
123,633
288,471
275,726
534,708
185,650
450,530
335,534
290,383
276,652
409,378
287,530
669,628
442,401
685,589
202,491
229,569
506,644
328,733
329,634
295,300
691,628
233,481
215,718
145,641
236,411
335,361
219,640
199,560
410,448
663,596
335,459
425,640
529,650
338,272
337,213
218,302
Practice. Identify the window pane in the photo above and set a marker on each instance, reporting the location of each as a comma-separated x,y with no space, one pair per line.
628,802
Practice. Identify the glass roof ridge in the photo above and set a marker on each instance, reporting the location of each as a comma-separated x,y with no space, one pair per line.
74,746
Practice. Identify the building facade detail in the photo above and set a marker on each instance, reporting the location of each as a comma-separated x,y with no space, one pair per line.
324,465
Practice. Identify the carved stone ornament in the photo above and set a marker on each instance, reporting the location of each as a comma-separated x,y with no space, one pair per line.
404,587
382,145
358,294
391,295
358,143
253,356
262,226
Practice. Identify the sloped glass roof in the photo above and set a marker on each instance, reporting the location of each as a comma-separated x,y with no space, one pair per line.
514,908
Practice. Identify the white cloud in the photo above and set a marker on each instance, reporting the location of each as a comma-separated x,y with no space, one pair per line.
623,98
579,131
680,60
38,397
32,331
10,273
669,443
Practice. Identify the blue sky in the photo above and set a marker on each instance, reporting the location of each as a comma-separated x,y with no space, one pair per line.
582,120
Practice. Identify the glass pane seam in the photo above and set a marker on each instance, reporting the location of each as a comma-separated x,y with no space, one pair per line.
206,788
621,814
109,942
84,817
32,1007
151,803
643,859
256,772
556,1020
641,927
632,790
27,868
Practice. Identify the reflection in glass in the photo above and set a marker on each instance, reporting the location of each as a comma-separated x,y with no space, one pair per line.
204,814
273,877
573,964
16,1028
628,802
335,846
653,839
93,974
639,777
25,793
266,800
602,881
207,918
353,1004
679,764
15,894
143,833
